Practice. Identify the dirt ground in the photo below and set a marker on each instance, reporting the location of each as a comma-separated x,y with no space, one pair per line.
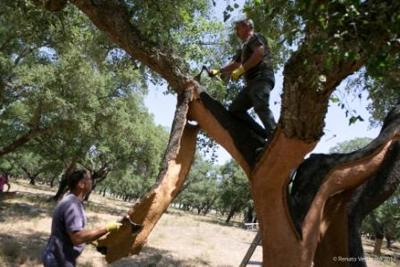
179,239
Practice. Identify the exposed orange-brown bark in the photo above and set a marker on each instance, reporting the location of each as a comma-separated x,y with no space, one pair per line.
149,210
281,246
346,176
333,233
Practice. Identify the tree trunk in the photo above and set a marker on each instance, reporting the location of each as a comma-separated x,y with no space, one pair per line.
63,185
333,249
388,242
62,188
378,246
249,216
52,181
209,205
232,212
103,193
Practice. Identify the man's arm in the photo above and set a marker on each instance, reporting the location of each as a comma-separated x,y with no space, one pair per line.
227,69
86,236
255,58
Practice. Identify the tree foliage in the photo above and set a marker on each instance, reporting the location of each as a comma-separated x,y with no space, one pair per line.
350,145
60,75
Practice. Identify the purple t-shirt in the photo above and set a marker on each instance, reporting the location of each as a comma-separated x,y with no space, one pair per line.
68,216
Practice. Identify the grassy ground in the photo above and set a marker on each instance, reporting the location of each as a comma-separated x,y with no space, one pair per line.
179,239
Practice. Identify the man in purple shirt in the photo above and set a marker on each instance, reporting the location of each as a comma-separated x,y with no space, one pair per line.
68,235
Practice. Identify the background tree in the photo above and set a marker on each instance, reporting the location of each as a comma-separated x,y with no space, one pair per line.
350,145
233,190
199,193
70,97
383,222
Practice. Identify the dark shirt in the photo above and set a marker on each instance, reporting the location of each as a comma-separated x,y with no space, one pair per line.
263,70
68,216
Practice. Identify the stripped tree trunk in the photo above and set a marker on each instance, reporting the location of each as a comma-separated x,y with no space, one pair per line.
148,210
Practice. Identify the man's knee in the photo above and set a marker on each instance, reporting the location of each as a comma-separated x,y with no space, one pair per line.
236,109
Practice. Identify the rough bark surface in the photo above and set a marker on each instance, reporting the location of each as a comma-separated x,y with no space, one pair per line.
112,17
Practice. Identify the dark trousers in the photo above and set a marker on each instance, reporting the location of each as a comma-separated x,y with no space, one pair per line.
255,94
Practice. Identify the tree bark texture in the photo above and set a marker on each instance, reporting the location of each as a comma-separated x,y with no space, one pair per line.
176,165
379,185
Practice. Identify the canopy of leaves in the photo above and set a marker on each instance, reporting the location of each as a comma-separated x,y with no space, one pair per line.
58,73
340,29
350,145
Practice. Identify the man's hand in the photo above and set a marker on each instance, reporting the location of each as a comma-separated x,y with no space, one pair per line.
237,73
214,72
113,226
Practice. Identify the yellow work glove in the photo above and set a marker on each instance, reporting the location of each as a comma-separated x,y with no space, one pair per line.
214,72
237,73
113,226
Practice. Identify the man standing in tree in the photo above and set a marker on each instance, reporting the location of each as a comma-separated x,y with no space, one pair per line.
68,235
255,62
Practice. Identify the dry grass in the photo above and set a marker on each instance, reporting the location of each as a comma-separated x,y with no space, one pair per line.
180,239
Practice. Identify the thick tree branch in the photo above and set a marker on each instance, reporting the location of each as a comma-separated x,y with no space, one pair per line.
343,177
112,17
176,165
368,197
318,166
336,173
308,84
269,181
306,93
22,140
225,129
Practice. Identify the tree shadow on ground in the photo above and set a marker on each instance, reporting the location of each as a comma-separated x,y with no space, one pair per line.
151,256
23,249
22,211
219,222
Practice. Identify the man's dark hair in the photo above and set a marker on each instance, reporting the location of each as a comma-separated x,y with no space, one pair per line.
75,177
248,22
